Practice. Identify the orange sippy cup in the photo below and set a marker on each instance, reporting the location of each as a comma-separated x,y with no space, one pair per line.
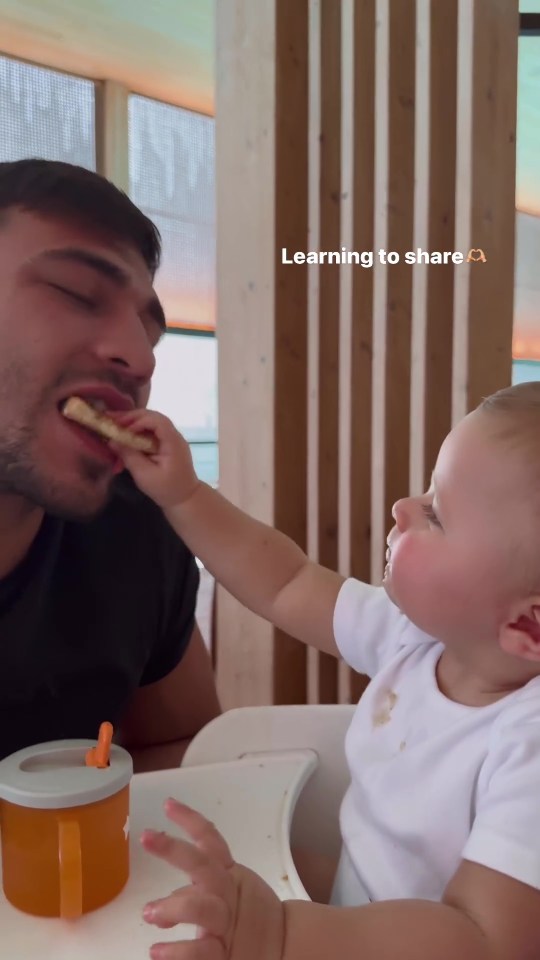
64,817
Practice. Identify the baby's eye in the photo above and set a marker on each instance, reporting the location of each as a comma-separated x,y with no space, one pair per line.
430,514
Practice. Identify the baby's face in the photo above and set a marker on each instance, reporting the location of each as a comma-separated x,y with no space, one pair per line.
454,553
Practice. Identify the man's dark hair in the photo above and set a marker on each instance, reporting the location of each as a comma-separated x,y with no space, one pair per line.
74,193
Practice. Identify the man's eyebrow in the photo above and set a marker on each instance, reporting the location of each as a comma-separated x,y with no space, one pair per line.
75,255
109,270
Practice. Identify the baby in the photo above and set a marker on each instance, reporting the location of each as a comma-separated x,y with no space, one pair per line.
440,825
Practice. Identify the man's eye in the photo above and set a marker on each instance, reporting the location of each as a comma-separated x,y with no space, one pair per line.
74,295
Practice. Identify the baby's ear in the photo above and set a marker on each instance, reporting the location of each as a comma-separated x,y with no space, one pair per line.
521,636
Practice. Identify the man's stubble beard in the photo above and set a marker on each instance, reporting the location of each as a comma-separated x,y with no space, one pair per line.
21,476
21,473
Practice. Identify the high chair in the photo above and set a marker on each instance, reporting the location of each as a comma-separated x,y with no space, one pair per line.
321,728
270,778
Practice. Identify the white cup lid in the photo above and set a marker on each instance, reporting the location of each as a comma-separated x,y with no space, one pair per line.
55,776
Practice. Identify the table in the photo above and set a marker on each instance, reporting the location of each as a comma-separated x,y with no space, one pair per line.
251,801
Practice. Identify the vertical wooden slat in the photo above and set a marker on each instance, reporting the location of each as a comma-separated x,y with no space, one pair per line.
464,123
493,191
421,272
328,326
361,305
379,521
290,315
401,140
112,148
441,230
313,173
485,199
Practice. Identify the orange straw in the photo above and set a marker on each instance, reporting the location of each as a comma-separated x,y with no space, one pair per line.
98,756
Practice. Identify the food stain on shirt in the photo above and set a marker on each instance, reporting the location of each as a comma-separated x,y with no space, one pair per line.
383,714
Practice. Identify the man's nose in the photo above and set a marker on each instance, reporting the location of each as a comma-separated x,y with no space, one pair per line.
126,345
401,513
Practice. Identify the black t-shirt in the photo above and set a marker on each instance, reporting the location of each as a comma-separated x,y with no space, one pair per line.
94,611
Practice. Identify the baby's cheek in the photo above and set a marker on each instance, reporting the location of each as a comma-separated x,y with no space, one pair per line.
409,558
420,582
407,571
451,600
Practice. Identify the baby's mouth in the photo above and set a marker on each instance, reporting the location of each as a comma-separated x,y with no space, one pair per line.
388,567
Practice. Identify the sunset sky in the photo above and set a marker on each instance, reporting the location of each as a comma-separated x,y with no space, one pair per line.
527,291
187,281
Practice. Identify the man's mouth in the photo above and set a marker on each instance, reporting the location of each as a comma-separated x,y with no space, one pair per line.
93,443
99,396
98,403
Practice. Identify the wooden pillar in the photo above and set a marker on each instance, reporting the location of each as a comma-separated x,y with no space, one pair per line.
261,146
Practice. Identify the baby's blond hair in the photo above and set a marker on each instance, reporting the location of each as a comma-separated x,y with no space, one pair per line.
521,401
515,415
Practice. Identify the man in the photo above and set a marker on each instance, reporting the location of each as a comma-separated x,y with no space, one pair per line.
97,595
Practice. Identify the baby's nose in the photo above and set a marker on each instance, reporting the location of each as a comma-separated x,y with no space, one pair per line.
401,514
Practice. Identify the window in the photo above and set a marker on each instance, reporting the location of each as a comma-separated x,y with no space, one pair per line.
171,173
46,114
529,6
526,346
184,388
171,169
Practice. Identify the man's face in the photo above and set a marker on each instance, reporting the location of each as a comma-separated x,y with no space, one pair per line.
78,316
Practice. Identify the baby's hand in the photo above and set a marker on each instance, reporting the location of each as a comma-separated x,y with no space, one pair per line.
238,915
168,476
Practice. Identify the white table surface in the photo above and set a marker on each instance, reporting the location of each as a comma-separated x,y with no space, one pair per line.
251,801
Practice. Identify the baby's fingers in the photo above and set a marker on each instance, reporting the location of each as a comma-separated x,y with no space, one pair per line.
140,420
178,853
189,950
131,457
201,831
205,910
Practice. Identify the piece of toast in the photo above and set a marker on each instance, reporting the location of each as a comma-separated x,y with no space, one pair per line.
81,412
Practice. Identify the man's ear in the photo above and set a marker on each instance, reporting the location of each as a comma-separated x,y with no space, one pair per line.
520,637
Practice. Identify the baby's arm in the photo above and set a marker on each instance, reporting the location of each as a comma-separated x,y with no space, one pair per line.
484,915
259,566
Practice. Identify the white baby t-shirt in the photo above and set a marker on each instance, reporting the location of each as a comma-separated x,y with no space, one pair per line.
432,781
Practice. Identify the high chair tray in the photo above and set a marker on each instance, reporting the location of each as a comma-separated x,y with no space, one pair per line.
251,801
